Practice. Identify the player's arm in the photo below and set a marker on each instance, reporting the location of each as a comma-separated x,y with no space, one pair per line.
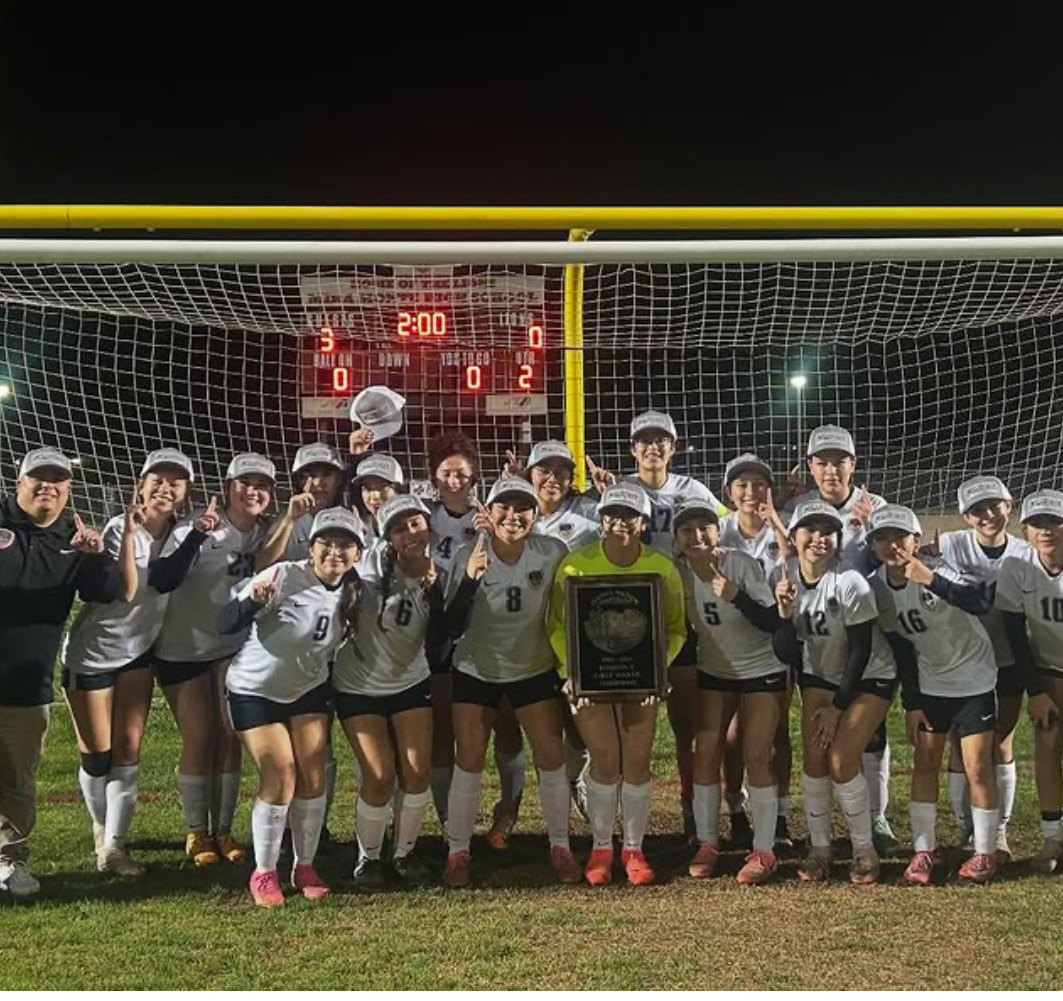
277,542
907,660
436,640
859,637
555,614
675,620
256,594
941,582
754,598
469,567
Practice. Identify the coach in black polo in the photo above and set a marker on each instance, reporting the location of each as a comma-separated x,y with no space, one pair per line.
46,556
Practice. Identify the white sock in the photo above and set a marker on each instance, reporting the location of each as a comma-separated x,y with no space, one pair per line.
195,792
959,798
440,779
462,807
763,804
816,794
876,768
1051,830
511,769
986,823
267,829
576,759
707,813
635,806
226,793
601,808
306,817
852,796
553,796
409,814
784,807
94,789
1007,778
924,818
736,801
330,778
369,824
121,801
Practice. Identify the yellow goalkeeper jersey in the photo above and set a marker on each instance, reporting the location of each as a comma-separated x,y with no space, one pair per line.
590,561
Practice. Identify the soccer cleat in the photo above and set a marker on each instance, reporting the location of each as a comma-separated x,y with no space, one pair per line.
114,858
266,888
758,868
306,879
979,868
200,848
703,864
16,878
815,866
1003,848
599,870
741,831
578,795
864,868
1048,861
457,874
412,871
920,870
230,849
784,844
639,871
564,864
369,875
882,837
502,821
690,831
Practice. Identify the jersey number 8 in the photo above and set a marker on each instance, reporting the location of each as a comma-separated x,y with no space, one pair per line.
512,599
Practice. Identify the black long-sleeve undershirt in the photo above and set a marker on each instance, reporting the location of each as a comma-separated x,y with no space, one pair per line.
459,608
904,653
436,641
236,616
859,654
974,600
764,617
1025,666
166,573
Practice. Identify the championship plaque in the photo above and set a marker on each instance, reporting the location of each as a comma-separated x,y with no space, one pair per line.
617,645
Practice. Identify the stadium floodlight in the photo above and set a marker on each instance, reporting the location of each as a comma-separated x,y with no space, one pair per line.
799,381
5,390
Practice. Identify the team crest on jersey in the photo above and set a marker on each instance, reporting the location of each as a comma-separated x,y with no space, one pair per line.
855,524
565,530
833,606
469,532
535,577
927,599
773,550
6,537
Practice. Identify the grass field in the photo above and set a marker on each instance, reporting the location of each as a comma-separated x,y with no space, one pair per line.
184,928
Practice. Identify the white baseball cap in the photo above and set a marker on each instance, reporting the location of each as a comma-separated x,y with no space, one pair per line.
251,464
167,457
831,437
653,420
978,489
625,495
810,510
45,458
379,409
1048,502
317,452
512,486
396,507
695,508
747,462
894,516
383,466
543,450
337,519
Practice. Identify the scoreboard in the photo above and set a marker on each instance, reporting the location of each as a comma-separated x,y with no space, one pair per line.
474,340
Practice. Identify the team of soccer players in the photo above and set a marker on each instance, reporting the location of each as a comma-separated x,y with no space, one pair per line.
430,629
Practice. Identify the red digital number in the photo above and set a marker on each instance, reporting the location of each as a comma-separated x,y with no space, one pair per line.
473,377
327,343
341,380
422,324
524,380
535,337
406,323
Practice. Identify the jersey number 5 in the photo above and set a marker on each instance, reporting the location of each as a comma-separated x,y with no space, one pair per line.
712,613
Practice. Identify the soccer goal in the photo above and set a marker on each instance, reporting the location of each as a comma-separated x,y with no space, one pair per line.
941,354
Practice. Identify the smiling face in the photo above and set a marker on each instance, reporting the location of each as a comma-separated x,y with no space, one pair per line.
697,537
552,479
1045,534
816,541
43,494
409,534
989,518
622,525
748,491
164,490
512,518
323,482
653,450
334,553
888,542
250,495
832,470
453,478
375,490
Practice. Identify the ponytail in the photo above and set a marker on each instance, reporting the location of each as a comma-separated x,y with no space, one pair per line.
387,578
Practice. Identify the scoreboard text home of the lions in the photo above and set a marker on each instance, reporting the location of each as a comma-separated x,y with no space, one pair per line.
477,340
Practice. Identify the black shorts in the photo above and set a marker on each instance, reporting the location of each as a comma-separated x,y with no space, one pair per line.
177,672
744,686
884,688
538,688
967,714
75,682
417,696
1009,684
249,711
688,653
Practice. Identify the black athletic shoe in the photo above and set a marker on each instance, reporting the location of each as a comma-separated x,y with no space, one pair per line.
370,874
741,831
413,871
327,844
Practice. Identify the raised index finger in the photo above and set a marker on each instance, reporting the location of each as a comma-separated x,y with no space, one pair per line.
212,507
78,523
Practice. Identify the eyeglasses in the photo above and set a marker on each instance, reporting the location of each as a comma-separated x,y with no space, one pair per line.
549,472
340,548
659,440
629,520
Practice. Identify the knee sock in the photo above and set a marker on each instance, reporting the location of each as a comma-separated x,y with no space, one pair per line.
306,818
816,793
635,805
267,829
986,823
369,824
511,767
1006,782
440,780
121,801
924,818
226,793
876,768
94,789
853,797
707,813
601,806
409,814
960,800
194,791
553,796
783,809
763,804
462,807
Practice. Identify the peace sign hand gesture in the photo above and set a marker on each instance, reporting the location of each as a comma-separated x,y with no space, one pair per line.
135,514
86,540
263,591
482,520
863,507
209,520
512,465
601,478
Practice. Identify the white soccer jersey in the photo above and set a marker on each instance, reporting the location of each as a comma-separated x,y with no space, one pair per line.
449,533
961,551
106,637
298,547
1024,585
506,638
664,501
292,641
841,597
855,551
385,660
225,560
575,522
746,650
953,650
763,546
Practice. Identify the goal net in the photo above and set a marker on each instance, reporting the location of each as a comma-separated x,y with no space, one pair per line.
941,369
